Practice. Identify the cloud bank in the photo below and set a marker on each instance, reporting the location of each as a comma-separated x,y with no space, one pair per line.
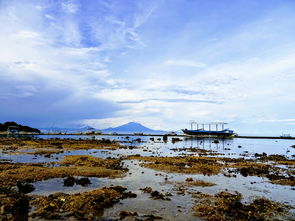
161,63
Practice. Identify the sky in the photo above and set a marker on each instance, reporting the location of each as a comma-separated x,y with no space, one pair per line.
162,63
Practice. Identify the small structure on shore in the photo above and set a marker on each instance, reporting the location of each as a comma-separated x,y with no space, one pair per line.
12,130
285,135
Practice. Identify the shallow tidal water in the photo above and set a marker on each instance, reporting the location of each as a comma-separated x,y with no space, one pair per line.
180,205
233,148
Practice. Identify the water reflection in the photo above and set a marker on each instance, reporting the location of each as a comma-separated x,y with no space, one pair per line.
208,143
155,146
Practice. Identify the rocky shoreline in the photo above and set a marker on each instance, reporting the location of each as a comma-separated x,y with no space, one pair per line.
174,177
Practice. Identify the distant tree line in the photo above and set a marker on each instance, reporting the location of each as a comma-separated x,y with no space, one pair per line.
4,126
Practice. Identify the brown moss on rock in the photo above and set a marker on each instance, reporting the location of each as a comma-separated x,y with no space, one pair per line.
46,152
277,159
90,161
273,157
66,144
88,205
13,205
287,182
189,182
201,183
228,206
281,180
87,166
214,165
156,195
124,214
287,162
190,165
147,189
252,168
274,174
201,152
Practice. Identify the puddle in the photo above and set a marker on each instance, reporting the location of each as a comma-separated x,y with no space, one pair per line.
56,185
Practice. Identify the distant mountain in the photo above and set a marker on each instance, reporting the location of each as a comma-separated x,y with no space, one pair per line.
129,128
68,130
132,127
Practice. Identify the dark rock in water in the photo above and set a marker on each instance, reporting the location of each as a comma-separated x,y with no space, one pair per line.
152,139
175,139
20,208
244,172
137,140
254,171
260,155
25,187
124,214
257,155
70,181
157,195
189,179
47,155
239,146
146,189
273,157
83,181
130,194
151,217
216,141
105,141
119,189
165,138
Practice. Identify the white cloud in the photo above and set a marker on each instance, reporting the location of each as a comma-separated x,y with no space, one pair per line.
280,120
185,63
50,17
70,6
247,72
27,34
49,47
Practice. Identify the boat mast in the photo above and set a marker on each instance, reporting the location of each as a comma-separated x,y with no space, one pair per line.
193,122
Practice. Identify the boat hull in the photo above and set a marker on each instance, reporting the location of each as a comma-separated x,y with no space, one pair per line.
207,133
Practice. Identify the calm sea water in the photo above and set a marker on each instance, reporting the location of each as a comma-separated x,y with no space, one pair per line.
234,148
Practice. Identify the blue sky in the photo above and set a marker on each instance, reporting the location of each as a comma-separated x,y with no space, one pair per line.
159,62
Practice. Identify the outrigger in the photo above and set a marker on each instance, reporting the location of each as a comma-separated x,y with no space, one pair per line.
202,132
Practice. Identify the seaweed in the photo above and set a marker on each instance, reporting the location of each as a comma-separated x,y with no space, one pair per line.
88,205
228,206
